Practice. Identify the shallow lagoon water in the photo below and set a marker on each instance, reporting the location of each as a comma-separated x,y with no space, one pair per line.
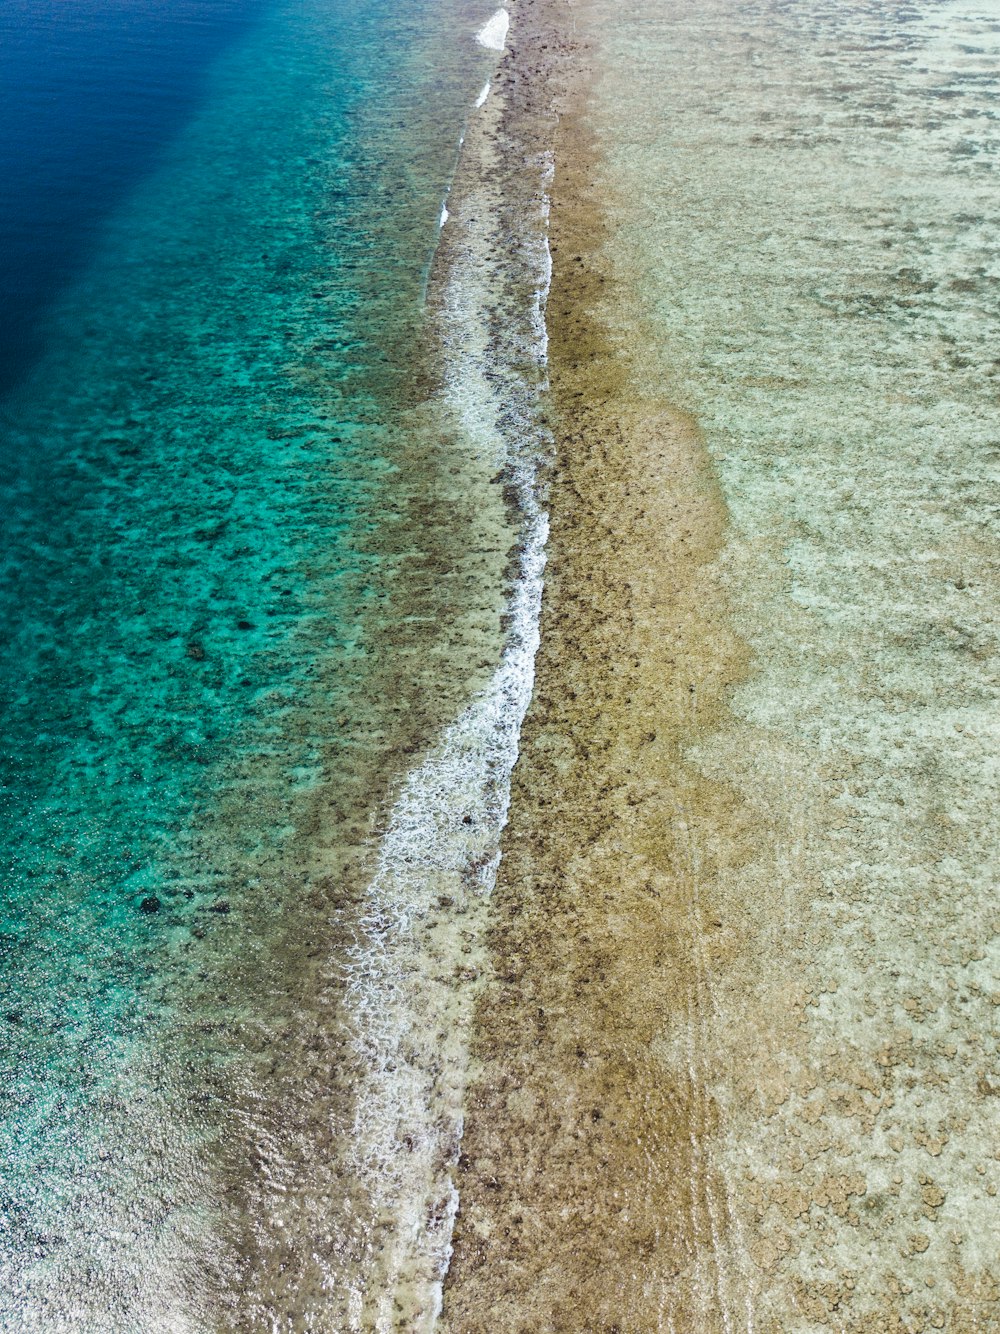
736,1054
799,201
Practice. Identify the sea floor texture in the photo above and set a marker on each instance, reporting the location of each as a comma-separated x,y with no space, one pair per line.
499,755
736,1063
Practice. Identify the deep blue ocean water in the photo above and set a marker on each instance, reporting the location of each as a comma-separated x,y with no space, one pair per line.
216,219
90,94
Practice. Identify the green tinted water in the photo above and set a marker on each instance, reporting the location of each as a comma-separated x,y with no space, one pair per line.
226,549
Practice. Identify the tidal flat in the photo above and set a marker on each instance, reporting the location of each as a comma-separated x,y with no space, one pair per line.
736,1060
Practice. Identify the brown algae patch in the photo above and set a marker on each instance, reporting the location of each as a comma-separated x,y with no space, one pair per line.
583,1181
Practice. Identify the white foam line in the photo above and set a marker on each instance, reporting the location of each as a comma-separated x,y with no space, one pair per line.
480,100
413,1012
493,33
429,850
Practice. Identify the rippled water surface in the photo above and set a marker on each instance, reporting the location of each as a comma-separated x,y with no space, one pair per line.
220,522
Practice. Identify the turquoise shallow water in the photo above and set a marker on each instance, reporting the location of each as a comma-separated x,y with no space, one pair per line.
191,487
